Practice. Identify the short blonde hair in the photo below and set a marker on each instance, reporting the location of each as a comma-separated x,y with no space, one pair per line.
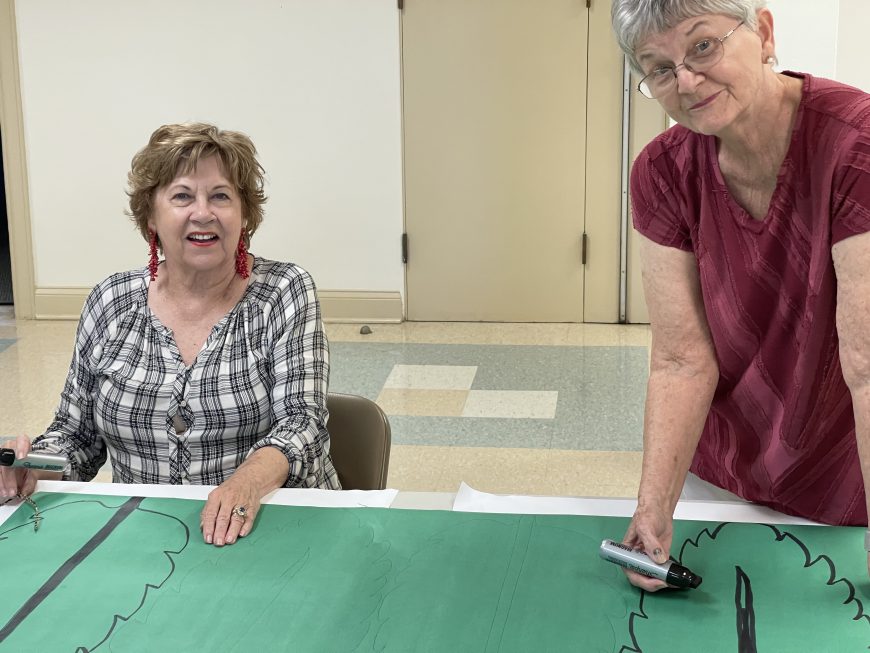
176,149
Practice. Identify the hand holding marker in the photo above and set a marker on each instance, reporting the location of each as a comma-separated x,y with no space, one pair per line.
672,573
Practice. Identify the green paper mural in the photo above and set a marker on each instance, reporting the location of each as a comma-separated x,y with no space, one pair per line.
120,574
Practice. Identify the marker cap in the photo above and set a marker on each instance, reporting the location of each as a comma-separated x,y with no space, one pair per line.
7,457
679,576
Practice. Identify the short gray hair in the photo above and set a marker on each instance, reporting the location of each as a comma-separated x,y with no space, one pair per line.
635,20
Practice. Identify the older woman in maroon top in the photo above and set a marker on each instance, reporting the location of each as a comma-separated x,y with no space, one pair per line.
754,212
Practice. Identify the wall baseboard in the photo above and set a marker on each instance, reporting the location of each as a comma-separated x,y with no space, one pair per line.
360,306
59,303
335,305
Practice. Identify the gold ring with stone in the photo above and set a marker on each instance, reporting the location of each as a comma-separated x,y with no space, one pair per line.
241,511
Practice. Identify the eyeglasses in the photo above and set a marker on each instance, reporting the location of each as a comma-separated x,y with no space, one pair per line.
705,54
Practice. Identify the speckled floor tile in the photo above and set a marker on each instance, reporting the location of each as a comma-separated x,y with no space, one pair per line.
600,392
428,403
513,404
431,377
515,471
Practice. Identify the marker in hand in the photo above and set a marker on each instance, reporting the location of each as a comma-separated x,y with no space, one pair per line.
47,461
672,573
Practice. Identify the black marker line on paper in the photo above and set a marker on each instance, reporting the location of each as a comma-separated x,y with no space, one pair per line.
745,613
148,586
779,535
117,617
67,568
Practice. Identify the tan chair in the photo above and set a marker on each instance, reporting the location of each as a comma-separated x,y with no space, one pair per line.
359,436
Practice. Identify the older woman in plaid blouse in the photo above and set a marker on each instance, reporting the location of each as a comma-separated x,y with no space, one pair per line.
209,366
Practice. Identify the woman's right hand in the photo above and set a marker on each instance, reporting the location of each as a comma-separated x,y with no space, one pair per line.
651,531
17,480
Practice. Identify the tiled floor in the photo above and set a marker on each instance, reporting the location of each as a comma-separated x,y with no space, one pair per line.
508,408
485,395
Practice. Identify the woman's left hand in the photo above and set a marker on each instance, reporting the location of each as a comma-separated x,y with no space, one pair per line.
232,506
230,511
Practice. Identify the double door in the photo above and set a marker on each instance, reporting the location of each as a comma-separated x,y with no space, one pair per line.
503,100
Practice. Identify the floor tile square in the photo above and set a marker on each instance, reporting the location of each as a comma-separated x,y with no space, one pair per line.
431,377
431,403
516,404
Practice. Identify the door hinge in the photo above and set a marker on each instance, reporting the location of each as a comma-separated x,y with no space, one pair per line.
404,248
584,243
588,3
401,4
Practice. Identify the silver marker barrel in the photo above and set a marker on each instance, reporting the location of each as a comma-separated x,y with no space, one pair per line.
671,572
34,460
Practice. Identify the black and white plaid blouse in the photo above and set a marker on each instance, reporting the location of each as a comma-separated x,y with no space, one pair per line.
260,380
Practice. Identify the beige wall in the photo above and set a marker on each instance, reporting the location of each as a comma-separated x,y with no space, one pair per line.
315,84
852,58
318,89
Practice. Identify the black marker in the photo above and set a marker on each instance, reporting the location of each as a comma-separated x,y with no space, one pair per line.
672,573
46,461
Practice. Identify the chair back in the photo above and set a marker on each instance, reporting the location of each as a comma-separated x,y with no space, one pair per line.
359,436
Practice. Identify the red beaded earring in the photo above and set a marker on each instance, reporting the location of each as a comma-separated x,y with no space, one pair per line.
242,257
153,261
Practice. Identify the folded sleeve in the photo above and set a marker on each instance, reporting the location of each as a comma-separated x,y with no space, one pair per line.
300,370
656,211
850,196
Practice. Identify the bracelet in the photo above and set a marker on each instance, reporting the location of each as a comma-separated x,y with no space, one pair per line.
867,540
37,517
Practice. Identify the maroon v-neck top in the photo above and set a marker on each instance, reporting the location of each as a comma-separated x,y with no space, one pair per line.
781,430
